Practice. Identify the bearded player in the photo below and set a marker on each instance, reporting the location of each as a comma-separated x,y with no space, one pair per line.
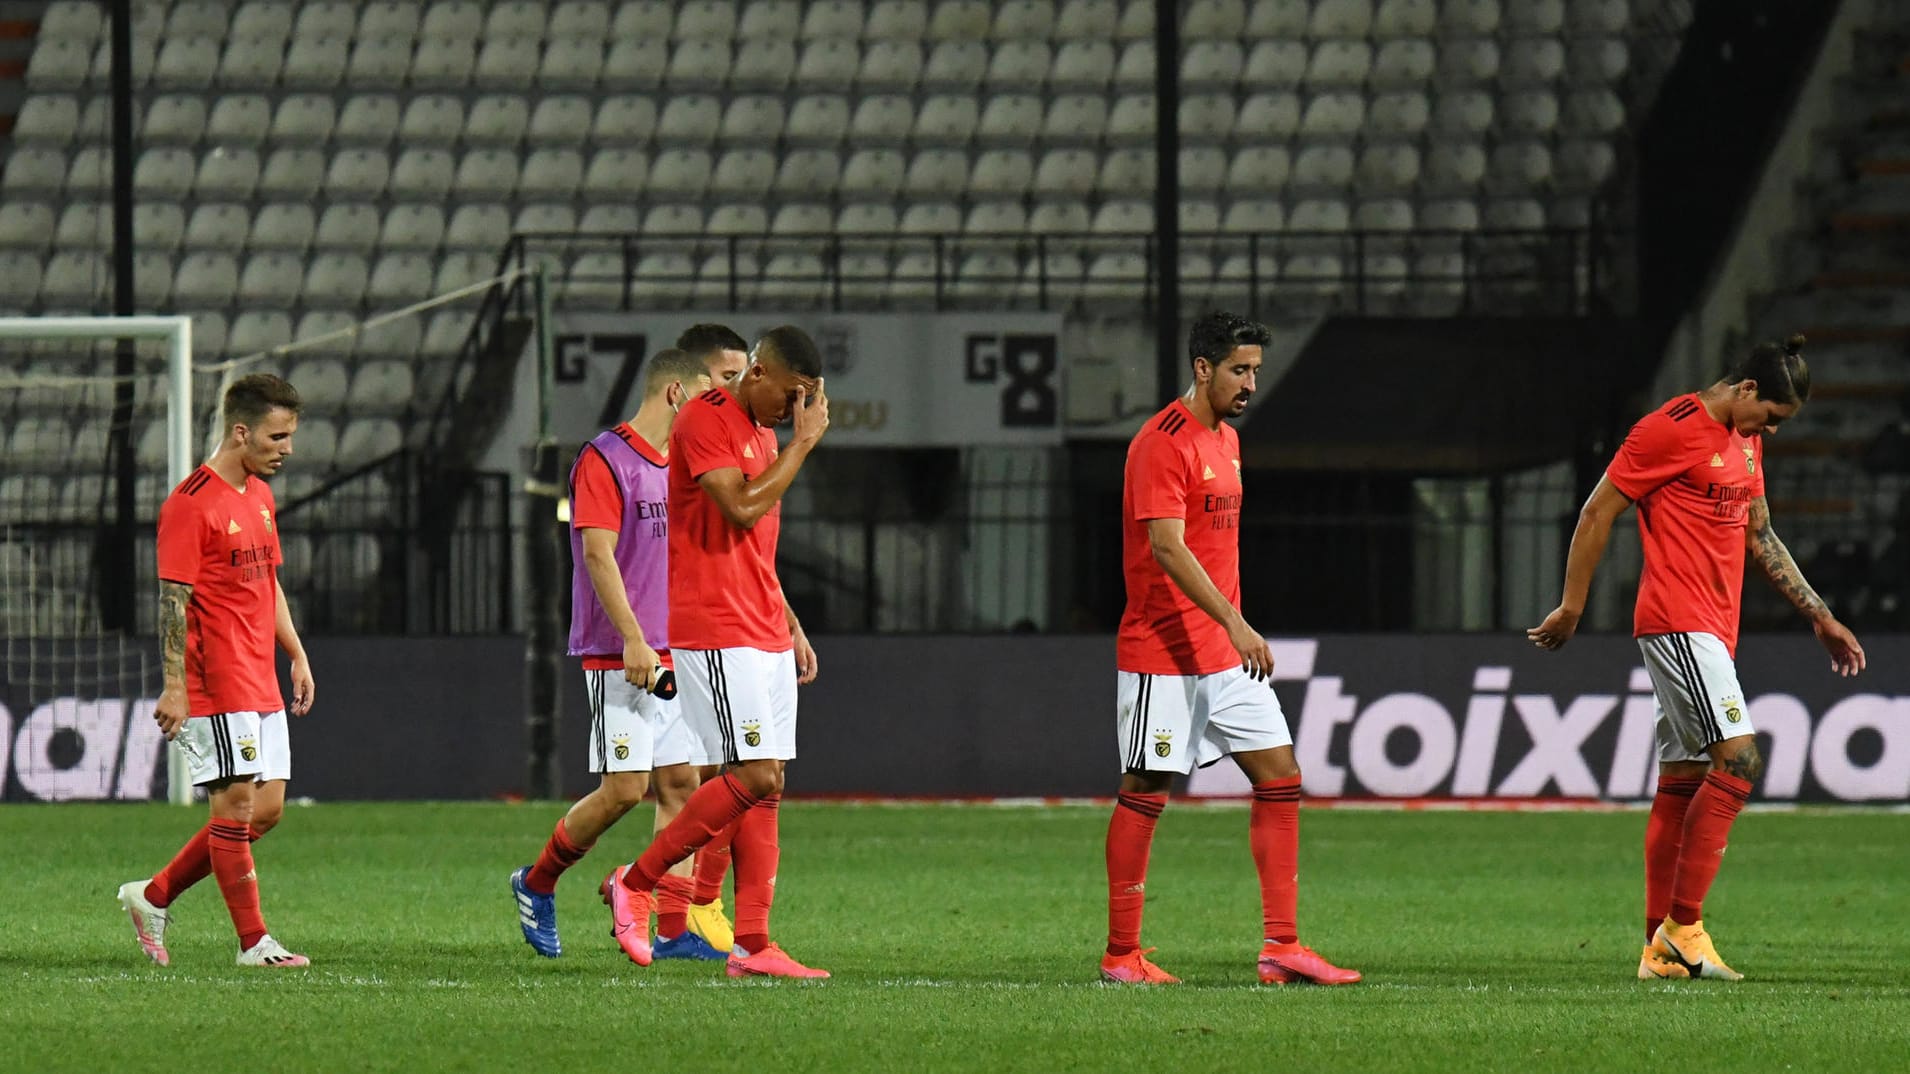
221,610
1191,671
740,651
620,630
1695,469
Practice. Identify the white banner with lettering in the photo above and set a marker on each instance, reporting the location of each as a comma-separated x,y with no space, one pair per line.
894,379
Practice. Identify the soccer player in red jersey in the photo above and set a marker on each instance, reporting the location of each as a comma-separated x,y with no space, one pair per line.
1191,670
220,611
739,650
1695,469
620,630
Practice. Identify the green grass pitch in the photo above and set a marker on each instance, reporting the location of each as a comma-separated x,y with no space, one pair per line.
963,939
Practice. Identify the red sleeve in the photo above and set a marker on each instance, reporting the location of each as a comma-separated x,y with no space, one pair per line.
703,443
1652,454
596,503
179,541
1157,479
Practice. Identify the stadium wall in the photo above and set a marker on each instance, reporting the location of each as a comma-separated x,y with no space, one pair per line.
1466,716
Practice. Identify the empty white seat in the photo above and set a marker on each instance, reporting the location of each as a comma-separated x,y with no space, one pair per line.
801,218
571,63
1133,118
546,218
254,331
817,120
1532,61
1019,65
26,225
400,279
422,175
34,170
478,227
81,20
1469,17
1454,165
174,119
936,173
366,440
550,173
163,173
832,18
890,65
326,18
358,173
1334,115
1124,217
206,278
442,63
1514,214
47,119
986,273
1468,62
152,277
1535,16
1388,167
1405,19
74,278
239,119
1136,22
314,62
1403,114
251,63
227,172
59,64
737,219
931,218
432,119
1584,164
1519,166
1127,172
904,19
286,225
1596,59
1341,18
1112,276
691,62
1075,117
389,19
705,19
1322,166
1586,17
947,119
186,63
673,220
218,226
336,279
446,332
868,218
1326,215
1006,218
91,172
1207,116
1135,70
1259,169
516,19
1212,65
321,378
887,118
507,63
689,119
828,64
1592,112
83,224
766,64
380,386
292,173
1064,172
1453,214
615,172
563,119
1054,217
959,20
350,225
1087,19
1083,65
491,175
1009,119
807,172
412,227
1214,19
1532,112
1203,169
744,174
1002,173
1340,63
1404,64
453,20
956,66
683,173
145,51
271,279
624,119
402,338
634,63
379,63
306,119
873,173
1267,116
1463,112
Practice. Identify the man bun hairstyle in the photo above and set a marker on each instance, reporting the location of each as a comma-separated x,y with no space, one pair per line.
1779,368
250,398
701,341
1214,335
672,366
793,348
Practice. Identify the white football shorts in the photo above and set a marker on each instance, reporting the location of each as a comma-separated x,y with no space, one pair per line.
1698,697
231,745
1169,723
741,703
633,730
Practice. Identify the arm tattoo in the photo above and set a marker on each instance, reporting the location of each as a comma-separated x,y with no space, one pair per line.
173,599
1776,562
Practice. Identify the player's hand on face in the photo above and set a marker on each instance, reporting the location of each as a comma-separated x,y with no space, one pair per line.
806,666
304,690
640,663
1846,655
171,712
1557,629
812,413
1253,650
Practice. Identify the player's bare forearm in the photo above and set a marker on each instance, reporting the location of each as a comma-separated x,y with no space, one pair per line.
283,630
1589,537
606,580
1775,561
174,599
744,501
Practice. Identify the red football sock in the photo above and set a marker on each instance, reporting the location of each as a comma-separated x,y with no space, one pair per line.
710,810
560,853
1707,826
1664,834
711,863
1273,833
192,864
230,846
1130,837
757,853
673,905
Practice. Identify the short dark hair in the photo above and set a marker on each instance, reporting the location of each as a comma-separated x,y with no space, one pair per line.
250,398
702,341
1779,369
1214,335
671,366
793,348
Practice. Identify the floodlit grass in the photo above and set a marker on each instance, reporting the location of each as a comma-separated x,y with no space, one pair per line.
962,938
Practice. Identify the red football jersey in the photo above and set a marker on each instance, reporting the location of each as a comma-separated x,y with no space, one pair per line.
1178,468
1693,479
224,543
723,588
